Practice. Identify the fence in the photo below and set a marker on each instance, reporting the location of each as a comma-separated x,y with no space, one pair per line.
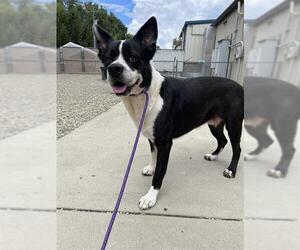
168,62
27,60
80,60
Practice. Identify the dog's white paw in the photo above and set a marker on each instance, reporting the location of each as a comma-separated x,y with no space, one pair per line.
228,173
210,157
275,173
149,200
248,157
148,170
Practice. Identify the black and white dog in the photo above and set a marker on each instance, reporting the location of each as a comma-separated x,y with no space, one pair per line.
175,107
272,103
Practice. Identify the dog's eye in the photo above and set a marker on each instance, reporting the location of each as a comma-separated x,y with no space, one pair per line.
133,59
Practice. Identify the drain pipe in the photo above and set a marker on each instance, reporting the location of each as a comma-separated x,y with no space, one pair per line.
296,14
239,13
292,9
239,9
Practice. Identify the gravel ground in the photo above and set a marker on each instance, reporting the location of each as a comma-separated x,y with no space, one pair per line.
80,98
26,101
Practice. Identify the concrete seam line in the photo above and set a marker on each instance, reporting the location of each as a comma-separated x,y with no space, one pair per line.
147,214
28,209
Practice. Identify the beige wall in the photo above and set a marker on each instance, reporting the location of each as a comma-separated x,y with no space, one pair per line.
232,27
194,42
283,27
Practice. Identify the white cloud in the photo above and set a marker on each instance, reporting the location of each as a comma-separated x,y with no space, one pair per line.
171,15
118,8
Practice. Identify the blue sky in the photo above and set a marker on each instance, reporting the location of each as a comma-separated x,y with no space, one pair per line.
254,8
171,14
112,5
126,18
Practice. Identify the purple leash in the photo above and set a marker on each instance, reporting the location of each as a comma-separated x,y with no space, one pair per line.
114,214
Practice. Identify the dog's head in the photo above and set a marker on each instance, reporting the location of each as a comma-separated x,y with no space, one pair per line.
128,61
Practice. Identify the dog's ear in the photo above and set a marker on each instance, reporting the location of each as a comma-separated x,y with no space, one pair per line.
147,36
103,38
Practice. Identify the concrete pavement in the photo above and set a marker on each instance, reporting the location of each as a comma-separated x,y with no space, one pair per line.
197,209
28,169
268,197
195,197
85,230
271,206
28,189
249,212
25,229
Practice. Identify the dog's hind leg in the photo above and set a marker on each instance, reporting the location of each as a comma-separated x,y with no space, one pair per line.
217,132
149,169
263,139
234,127
285,133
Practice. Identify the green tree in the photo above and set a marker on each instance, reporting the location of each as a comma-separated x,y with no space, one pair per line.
75,19
25,20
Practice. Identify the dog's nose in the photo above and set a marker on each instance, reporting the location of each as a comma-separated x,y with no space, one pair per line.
115,70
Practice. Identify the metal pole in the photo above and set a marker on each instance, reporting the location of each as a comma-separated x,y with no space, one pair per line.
94,21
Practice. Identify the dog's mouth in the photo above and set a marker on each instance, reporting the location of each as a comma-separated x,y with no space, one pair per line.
120,88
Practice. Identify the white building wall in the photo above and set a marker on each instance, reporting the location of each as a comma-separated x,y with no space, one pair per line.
194,42
164,60
232,28
283,27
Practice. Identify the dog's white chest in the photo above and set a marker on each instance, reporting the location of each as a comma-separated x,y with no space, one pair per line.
135,106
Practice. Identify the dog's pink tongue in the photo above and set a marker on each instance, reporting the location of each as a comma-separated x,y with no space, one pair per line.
119,90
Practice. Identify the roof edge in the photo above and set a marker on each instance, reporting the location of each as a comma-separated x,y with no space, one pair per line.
275,10
194,22
227,12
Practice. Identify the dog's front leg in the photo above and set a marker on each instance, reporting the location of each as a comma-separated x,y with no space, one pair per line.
149,169
163,152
